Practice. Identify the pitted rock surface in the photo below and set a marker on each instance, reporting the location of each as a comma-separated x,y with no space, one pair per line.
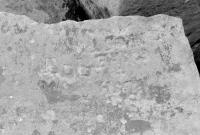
118,76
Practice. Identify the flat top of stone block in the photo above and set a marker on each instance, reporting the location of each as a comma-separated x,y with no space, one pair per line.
132,71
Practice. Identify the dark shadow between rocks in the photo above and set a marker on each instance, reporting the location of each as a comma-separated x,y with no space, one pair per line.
76,12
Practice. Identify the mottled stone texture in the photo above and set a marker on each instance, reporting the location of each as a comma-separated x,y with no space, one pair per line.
117,76
188,10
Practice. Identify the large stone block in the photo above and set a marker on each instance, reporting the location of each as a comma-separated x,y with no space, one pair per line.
117,76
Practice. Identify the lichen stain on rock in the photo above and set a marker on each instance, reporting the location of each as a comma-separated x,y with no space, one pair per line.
84,31
84,71
2,110
101,128
118,42
9,49
175,68
114,127
71,31
71,40
96,132
1,70
5,27
20,111
51,92
19,30
138,126
126,89
42,84
160,94
2,78
36,132
116,114
73,98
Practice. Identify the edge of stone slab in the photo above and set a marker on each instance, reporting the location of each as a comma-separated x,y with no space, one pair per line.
158,17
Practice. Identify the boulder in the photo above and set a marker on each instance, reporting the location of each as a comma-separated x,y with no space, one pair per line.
98,9
45,11
122,75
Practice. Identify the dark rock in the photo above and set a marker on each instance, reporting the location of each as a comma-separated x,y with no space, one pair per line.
94,10
36,132
196,52
46,11
61,10
76,11
198,1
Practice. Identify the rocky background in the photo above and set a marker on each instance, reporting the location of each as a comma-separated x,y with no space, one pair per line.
54,11
46,11
188,10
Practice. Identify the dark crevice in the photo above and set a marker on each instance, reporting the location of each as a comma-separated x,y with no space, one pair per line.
82,13
197,54
188,34
76,12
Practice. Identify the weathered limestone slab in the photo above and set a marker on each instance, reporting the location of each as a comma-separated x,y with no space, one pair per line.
117,76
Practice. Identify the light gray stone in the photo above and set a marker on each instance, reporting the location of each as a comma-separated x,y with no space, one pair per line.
122,75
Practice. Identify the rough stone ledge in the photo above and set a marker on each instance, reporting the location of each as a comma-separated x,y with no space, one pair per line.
117,76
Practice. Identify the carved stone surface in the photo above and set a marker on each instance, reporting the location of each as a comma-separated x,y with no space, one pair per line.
117,76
